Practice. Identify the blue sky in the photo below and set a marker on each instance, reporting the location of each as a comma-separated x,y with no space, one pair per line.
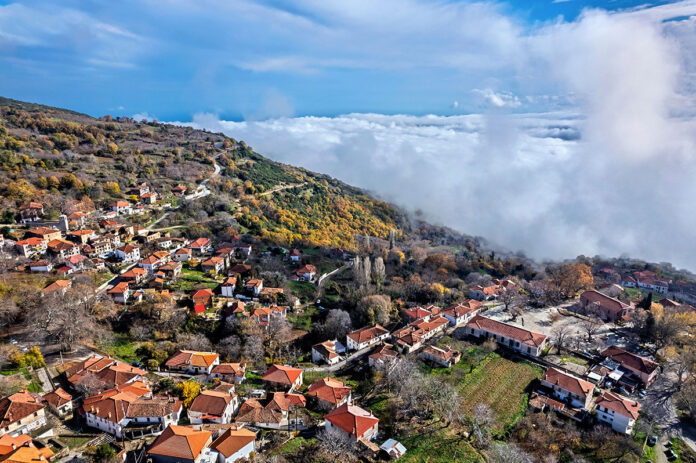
250,59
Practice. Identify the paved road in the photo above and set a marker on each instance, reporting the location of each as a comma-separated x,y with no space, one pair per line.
350,359
45,382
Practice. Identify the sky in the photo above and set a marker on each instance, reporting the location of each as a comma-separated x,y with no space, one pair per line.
557,128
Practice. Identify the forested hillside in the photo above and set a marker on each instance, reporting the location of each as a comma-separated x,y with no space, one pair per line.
57,156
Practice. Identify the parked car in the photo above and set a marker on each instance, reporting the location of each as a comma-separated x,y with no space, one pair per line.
652,441
642,394
671,456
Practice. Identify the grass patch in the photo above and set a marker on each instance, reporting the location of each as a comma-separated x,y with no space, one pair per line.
35,386
122,348
438,447
502,385
74,442
294,446
683,451
304,320
303,290
193,279
649,452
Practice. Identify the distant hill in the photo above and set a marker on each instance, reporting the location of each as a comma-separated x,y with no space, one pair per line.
56,156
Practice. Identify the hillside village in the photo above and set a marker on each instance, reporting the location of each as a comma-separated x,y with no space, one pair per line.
131,337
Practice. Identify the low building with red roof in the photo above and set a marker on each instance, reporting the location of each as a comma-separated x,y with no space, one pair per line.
355,422
200,246
41,266
643,368
329,352
254,286
305,273
193,362
182,255
105,371
128,253
509,336
23,449
283,377
31,212
568,388
617,411
202,297
329,393
443,356
182,444
234,444
30,246
21,413
462,312
229,372
381,355
607,308
213,407
60,401
214,264
366,337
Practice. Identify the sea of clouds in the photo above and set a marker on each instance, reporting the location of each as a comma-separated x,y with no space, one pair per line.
610,171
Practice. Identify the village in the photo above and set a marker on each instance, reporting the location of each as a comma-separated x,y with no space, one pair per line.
196,406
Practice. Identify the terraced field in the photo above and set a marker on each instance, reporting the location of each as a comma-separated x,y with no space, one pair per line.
502,385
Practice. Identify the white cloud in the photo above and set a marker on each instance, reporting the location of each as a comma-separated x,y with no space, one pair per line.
613,175
498,99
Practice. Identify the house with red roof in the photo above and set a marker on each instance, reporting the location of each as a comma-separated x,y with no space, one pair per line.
283,377
121,292
179,190
23,449
270,413
417,313
214,264
462,312
60,401
412,336
381,355
644,369
607,308
182,444
329,352
128,253
254,286
617,411
355,422
182,255
200,246
509,336
211,406
305,273
443,356
106,371
484,293
228,286
329,393
60,286
235,444
76,262
193,362
31,212
568,388
122,207
21,413
366,337
30,246
229,372
203,297
41,266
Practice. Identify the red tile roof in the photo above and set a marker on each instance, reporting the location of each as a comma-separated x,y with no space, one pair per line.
503,329
184,358
180,442
329,390
18,406
629,359
568,382
619,404
233,440
368,333
282,374
353,420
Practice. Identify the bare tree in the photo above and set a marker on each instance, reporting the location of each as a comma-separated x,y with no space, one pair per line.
337,444
510,297
197,342
278,336
501,452
367,270
230,347
559,335
591,325
337,324
481,422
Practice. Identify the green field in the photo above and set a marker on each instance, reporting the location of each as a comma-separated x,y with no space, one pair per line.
191,279
438,447
502,385
122,348
303,290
